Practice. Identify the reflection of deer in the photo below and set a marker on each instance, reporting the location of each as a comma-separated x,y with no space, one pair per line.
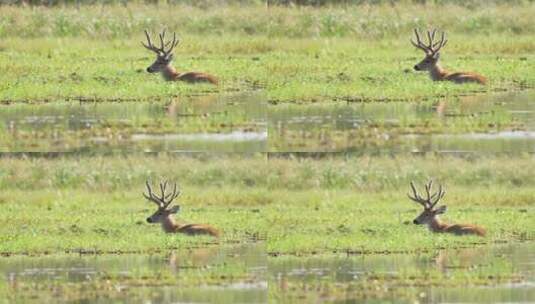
458,259
171,109
198,257
198,106
430,62
441,107
430,214
464,106
164,215
162,64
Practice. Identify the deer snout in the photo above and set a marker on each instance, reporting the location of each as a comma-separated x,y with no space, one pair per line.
149,70
415,221
416,68
149,220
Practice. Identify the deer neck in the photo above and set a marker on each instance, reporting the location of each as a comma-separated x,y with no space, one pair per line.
169,224
170,73
437,72
436,225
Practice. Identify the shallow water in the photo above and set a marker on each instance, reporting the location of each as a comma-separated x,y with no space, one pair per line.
483,123
244,123
216,275
244,274
499,274
206,123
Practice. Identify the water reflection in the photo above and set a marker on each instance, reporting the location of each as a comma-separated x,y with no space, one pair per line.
244,123
501,274
485,123
241,274
238,122
213,274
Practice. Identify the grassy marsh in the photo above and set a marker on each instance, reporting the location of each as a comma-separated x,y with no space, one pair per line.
325,226
356,53
320,220
94,204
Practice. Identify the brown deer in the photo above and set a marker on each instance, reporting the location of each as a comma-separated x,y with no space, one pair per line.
430,214
164,215
162,64
430,62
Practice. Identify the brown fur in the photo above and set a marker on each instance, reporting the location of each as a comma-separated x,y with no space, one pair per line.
437,73
195,229
462,77
169,225
436,225
170,74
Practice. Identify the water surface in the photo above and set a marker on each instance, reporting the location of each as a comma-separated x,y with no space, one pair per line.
496,274
231,123
482,123
206,275
244,123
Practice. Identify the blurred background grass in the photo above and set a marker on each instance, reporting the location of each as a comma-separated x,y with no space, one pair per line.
293,52
279,171
202,3
364,19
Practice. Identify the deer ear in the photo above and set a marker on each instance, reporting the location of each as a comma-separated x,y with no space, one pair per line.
436,55
440,210
174,209
170,57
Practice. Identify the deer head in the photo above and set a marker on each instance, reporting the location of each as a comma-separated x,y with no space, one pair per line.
163,201
428,202
163,56
431,50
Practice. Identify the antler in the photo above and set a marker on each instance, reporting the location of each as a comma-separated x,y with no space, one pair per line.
431,199
432,47
161,50
164,199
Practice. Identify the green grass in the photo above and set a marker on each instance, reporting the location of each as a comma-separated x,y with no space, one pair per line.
303,211
299,207
309,213
356,53
373,21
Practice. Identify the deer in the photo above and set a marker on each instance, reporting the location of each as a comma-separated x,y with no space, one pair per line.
164,213
432,55
164,56
430,214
